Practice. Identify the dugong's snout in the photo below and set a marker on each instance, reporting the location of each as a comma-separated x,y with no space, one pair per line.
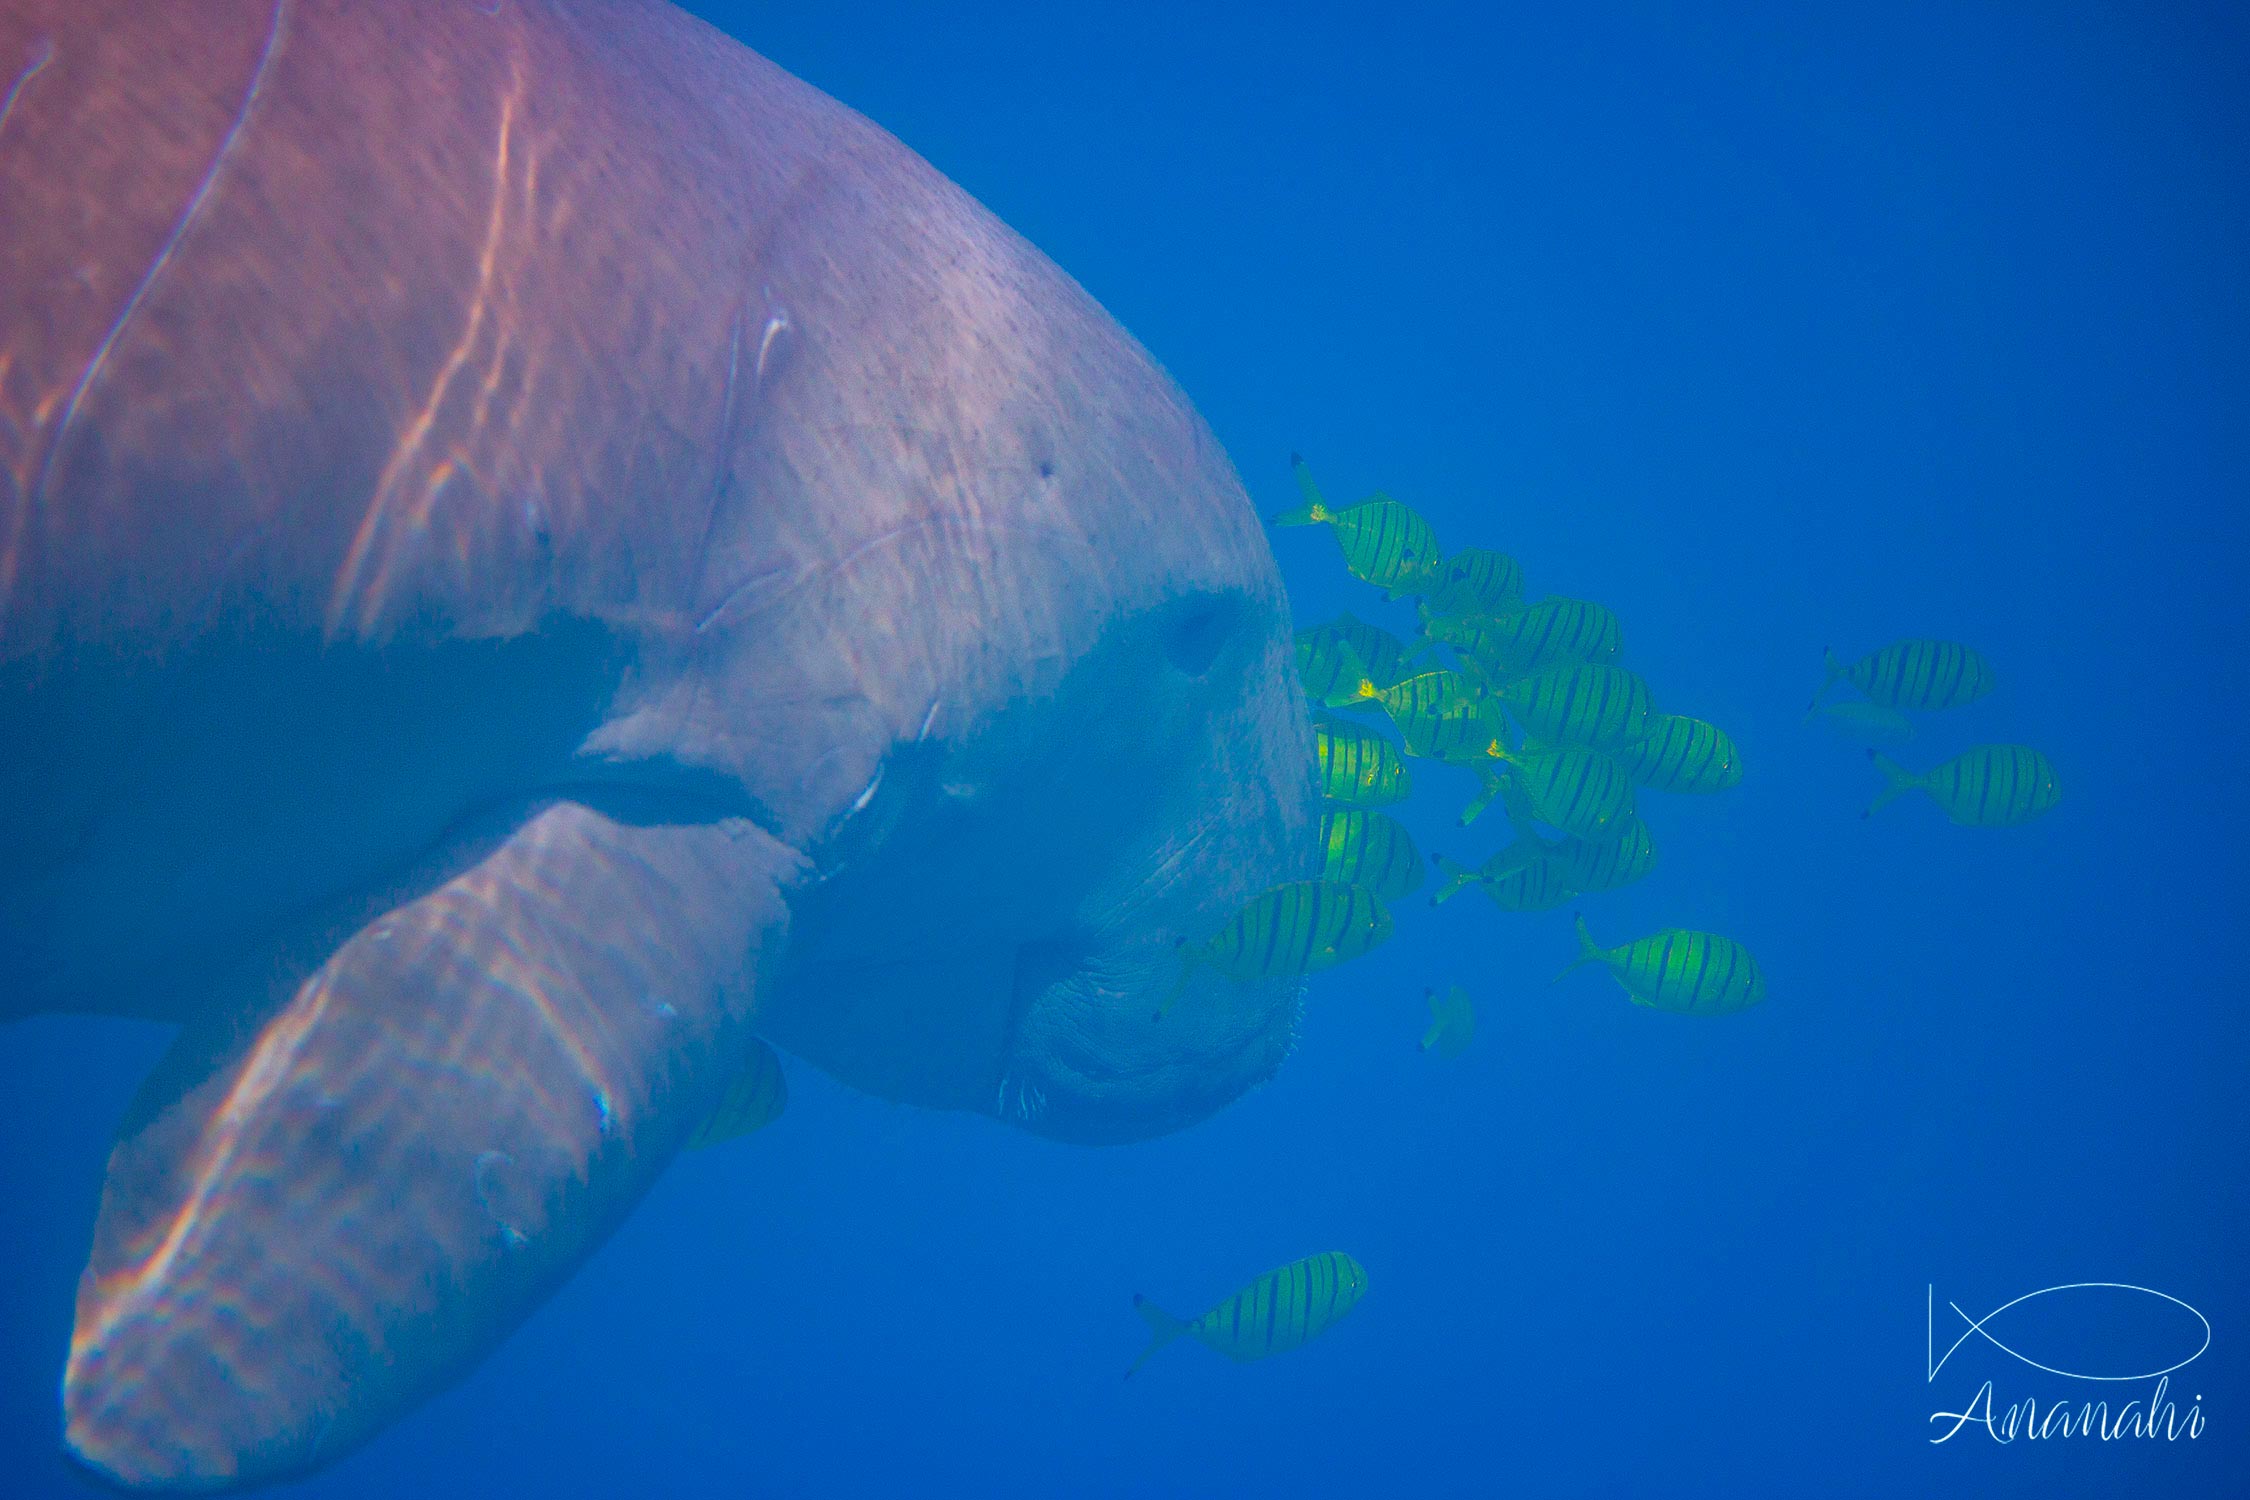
1093,1063
1117,1034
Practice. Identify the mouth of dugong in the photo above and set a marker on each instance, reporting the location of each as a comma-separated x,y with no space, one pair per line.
1090,1061
1114,1035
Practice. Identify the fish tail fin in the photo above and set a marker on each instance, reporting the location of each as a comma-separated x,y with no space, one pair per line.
1315,509
1832,671
1353,683
1361,678
1188,957
1483,799
1897,782
1588,952
1162,1328
1457,878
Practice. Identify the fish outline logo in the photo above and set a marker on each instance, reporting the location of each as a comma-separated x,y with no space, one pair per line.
1934,1362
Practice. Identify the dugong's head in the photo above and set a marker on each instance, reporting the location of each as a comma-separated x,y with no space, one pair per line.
1060,739
1008,929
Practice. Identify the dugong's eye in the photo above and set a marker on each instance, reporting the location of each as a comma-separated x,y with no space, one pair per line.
1196,629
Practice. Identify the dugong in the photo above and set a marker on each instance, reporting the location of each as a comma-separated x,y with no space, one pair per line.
536,549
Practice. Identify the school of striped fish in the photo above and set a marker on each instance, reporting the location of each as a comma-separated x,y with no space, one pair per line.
1530,698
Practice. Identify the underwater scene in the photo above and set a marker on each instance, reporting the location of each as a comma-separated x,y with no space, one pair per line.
1123,750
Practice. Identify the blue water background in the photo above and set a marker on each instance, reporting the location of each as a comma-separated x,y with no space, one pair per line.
1791,327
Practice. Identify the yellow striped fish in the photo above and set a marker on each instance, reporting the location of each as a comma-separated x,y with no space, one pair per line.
1385,654
1991,786
1452,1022
1327,653
1917,674
1518,878
1474,581
1425,693
1272,1315
1693,973
1592,704
1580,791
1365,848
1330,672
1478,640
1680,754
1440,715
759,1095
1622,855
1298,928
1458,737
1358,767
1383,541
1554,632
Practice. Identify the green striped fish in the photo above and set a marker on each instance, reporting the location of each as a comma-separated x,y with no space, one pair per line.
1623,854
1330,672
1298,928
1517,879
1693,973
1680,754
1591,704
1425,693
1452,1021
1515,801
1478,640
1440,715
1916,674
1555,632
1365,848
1990,786
1383,541
1560,629
1358,767
1272,1315
1460,736
756,1100
1474,581
1327,655
1579,791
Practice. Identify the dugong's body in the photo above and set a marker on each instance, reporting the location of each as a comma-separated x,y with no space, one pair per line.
533,547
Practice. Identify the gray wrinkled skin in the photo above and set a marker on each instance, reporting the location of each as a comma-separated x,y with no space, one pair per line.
534,546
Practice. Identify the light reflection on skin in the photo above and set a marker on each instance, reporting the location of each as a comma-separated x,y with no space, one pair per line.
461,1069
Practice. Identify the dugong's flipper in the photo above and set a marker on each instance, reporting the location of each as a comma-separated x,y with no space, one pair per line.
417,1147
